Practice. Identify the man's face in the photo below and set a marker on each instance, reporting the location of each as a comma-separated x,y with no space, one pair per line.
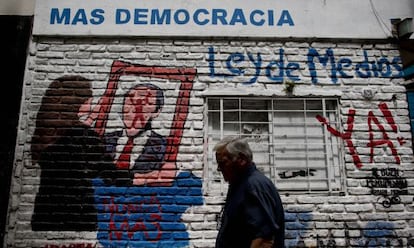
139,108
226,165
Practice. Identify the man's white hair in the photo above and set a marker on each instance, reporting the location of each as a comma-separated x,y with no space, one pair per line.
235,145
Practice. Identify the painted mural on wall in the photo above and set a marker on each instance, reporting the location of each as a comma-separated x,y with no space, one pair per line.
105,168
108,161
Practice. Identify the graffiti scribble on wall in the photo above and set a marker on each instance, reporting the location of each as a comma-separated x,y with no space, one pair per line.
121,180
388,184
301,173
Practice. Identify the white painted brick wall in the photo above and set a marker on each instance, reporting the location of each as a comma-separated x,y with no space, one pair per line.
342,219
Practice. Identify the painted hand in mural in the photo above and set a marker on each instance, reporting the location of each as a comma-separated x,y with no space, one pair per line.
87,113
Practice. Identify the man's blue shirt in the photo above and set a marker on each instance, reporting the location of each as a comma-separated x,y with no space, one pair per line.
253,210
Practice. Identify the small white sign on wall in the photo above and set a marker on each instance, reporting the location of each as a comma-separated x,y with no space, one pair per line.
368,19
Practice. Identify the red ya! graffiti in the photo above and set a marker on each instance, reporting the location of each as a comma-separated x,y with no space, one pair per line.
373,142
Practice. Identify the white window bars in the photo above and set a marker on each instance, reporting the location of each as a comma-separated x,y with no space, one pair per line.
289,144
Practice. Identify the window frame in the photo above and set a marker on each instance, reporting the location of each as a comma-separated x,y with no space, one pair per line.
209,158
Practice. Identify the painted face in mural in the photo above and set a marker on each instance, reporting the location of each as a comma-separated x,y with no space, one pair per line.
140,107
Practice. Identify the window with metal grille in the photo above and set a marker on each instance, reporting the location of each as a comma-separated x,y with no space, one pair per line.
289,144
